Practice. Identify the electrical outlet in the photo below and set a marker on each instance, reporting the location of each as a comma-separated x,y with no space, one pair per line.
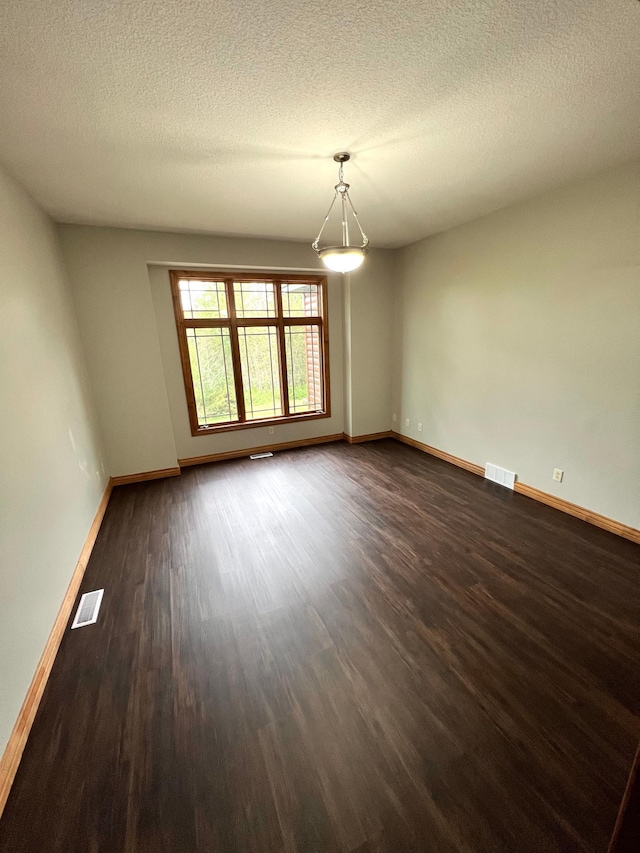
394,418
270,430
419,427
558,475
406,421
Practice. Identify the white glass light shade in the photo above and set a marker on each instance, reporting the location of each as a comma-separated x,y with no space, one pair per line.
342,258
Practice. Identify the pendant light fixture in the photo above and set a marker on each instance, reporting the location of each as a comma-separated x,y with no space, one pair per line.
346,257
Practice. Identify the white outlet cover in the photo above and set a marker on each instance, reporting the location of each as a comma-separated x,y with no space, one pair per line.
406,422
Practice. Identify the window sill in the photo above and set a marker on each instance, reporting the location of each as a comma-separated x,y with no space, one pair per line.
212,430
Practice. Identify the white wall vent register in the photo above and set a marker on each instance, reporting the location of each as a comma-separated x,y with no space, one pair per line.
499,475
87,612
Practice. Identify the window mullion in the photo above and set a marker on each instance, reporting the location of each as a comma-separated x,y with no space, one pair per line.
324,348
324,367
183,345
235,351
282,356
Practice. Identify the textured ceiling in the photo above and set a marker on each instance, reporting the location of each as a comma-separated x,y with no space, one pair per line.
222,116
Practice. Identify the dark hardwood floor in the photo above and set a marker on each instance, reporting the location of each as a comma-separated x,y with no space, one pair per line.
342,648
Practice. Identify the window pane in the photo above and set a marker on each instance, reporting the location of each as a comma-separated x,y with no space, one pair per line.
254,299
300,300
202,299
260,371
212,372
304,368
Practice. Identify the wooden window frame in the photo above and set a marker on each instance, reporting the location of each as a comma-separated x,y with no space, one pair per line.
233,323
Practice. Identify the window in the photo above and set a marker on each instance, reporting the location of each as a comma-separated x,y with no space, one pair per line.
254,348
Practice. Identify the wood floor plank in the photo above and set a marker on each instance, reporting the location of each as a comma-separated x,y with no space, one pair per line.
341,648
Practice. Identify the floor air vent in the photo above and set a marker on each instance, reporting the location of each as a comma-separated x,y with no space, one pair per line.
499,475
87,612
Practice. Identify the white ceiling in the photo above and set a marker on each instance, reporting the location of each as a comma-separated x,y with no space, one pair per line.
222,117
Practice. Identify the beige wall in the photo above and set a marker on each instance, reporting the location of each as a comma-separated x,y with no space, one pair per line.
518,342
122,299
370,292
52,472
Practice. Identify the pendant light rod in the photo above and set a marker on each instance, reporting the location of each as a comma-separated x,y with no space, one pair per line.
343,157
326,219
345,224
